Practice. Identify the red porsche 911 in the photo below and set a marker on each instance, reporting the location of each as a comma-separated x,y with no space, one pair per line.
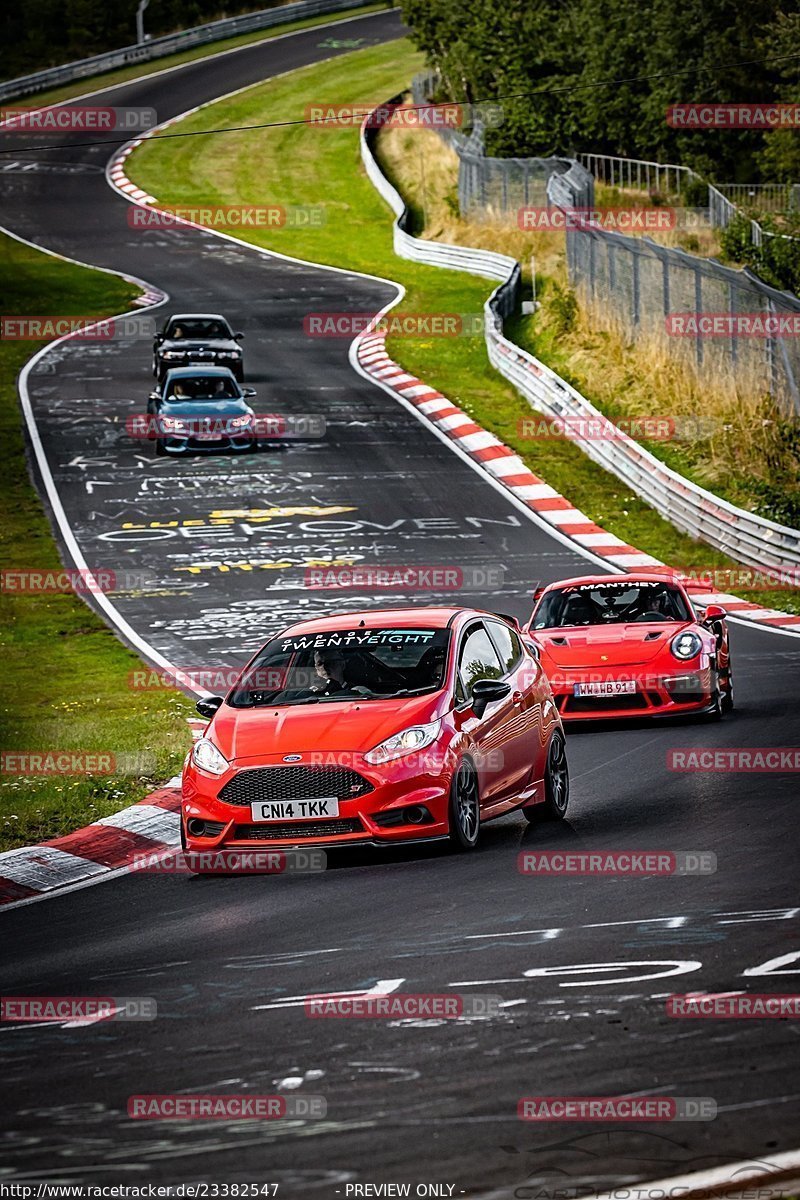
631,645
381,727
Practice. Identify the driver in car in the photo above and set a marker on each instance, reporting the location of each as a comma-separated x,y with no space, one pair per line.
329,666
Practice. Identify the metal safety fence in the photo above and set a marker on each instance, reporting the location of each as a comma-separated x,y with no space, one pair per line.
746,537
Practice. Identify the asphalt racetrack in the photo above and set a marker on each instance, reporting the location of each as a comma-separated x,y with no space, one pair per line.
230,960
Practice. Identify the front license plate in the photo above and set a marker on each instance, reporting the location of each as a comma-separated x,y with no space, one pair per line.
609,687
205,436
295,810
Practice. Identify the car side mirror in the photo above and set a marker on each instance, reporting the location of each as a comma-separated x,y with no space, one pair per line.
714,612
486,692
249,391
237,337
208,705
154,396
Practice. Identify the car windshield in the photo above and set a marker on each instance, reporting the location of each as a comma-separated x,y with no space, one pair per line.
609,603
357,665
195,328
203,387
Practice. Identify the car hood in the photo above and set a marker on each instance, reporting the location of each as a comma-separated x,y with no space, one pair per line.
206,408
329,726
199,344
623,645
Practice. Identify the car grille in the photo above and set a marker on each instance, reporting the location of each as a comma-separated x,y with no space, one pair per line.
261,784
295,830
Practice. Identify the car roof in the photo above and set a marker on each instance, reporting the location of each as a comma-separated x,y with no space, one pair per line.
195,316
191,372
423,617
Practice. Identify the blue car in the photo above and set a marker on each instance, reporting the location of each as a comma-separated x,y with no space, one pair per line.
201,409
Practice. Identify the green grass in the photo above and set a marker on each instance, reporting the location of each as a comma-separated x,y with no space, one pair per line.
301,165
64,683
110,78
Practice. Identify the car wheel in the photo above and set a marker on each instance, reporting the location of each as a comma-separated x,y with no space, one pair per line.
717,709
556,784
160,448
727,693
465,815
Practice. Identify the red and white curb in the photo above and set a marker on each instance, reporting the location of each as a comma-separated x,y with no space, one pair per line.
507,469
105,846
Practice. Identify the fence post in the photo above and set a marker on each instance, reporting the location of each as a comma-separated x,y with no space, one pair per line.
636,297
698,308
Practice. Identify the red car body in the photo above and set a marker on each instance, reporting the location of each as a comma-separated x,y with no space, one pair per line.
300,752
631,646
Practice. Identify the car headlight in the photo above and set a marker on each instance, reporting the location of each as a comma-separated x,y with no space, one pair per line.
206,756
239,422
229,354
686,645
416,737
173,353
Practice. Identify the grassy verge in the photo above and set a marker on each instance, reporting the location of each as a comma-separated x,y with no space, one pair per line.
123,74
64,680
287,165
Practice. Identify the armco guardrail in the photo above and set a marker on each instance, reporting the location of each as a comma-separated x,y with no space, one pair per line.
171,43
749,539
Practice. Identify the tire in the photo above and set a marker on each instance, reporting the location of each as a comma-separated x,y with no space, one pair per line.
556,785
727,694
464,809
717,699
160,446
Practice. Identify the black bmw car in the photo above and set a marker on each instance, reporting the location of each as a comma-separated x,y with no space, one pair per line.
201,409
202,338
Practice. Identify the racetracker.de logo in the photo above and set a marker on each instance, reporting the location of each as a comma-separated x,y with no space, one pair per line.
224,1108
402,1006
78,1009
78,580
415,325
410,578
228,216
617,862
741,759
71,118
597,429
744,1007
620,220
704,115
46,327
232,862
324,115
732,324
644,1109
29,763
